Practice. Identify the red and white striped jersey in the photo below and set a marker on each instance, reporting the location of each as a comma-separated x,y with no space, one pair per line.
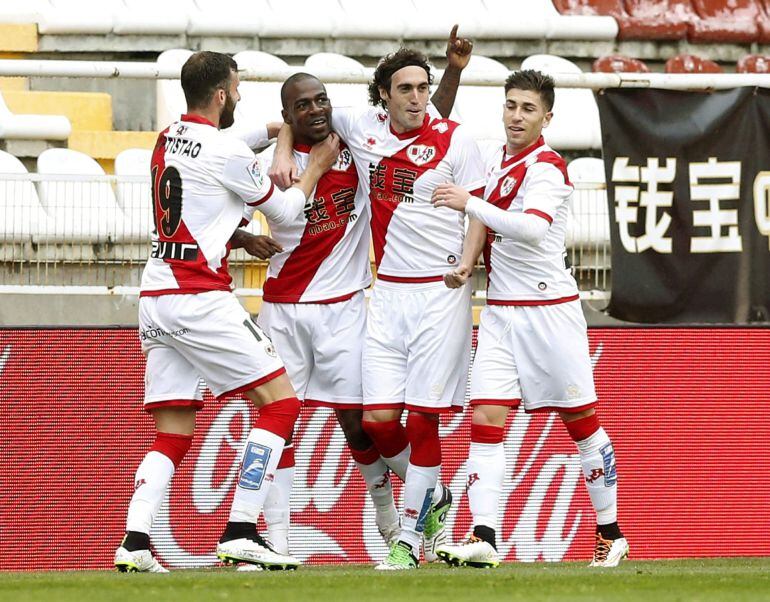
325,255
413,241
201,178
534,181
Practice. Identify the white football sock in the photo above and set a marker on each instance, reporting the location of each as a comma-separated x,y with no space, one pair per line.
418,492
259,459
378,483
277,511
151,483
486,470
399,463
598,461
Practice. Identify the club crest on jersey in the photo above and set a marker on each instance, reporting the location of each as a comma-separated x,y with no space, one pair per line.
508,184
441,127
344,160
256,173
419,154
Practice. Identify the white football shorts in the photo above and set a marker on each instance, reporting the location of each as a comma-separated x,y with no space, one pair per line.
206,336
535,355
321,345
418,347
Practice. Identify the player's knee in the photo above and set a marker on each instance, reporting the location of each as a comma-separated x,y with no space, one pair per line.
350,423
422,431
279,417
173,446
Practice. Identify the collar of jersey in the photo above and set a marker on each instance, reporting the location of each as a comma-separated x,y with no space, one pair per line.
302,148
506,162
411,133
196,119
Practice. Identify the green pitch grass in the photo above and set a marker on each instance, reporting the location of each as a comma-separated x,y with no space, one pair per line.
712,579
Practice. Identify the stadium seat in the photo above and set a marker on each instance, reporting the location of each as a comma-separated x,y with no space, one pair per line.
574,27
300,18
134,196
502,20
341,95
260,101
753,63
433,19
689,63
22,213
638,19
575,123
358,21
32,127
151,17
80,210
725,21
616,63
77,17
486,123
589,222
225,18
170,102
656,19
28,11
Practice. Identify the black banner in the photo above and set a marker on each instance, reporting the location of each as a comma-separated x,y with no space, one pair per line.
688,182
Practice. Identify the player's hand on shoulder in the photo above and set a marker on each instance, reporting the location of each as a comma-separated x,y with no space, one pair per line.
261,247
458,50
325,153
450,195
458,277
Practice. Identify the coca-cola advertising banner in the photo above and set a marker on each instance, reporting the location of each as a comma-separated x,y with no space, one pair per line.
686,409
688,182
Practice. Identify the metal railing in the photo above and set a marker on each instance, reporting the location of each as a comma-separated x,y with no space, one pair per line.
70,230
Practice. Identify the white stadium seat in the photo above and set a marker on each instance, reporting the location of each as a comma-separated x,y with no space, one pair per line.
590,222
359,21
134,198
301,19
28,11
433,19
80,210
575,27
226,18
480,108
170,102
32,127
575,124
341,95
23,215
506,19
78,17
260,101
152,17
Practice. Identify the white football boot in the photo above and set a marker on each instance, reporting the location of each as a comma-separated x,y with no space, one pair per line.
255,552
140,561
473,552
609,552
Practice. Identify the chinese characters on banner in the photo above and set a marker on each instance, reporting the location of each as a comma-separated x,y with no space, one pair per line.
688,182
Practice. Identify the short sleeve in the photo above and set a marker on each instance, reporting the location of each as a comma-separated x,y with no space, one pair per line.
246,175
468,166
546,189
345,119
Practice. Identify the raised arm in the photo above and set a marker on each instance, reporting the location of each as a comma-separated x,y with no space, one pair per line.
283,171
458,54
